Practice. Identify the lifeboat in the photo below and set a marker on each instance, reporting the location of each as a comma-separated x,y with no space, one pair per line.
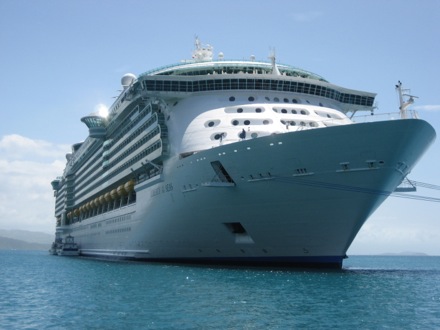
76,212
122,191
114,194
101,199
129,186
96,202
108,197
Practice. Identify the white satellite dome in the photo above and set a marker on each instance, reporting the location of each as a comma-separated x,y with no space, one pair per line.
127,79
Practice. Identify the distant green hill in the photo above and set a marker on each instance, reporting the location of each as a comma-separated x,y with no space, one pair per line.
24,240
15,244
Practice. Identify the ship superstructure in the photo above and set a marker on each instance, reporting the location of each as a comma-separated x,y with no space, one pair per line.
232,161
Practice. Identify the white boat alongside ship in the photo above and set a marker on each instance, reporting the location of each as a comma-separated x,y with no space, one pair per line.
68,247
233,161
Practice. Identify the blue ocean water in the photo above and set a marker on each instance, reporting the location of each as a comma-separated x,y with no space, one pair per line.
39,291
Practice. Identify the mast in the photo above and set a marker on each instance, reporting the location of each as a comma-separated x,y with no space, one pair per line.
404,104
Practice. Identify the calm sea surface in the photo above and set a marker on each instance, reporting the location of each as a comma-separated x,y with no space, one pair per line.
39,291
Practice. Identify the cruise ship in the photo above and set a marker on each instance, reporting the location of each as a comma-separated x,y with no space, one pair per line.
233,161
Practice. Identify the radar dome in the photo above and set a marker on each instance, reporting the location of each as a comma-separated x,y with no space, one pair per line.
127,79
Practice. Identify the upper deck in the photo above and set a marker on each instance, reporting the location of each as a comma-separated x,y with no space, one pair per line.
195,68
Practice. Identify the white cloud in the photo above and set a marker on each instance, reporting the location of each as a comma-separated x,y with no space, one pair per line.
26,169
390,232
427,107
306,17
15,146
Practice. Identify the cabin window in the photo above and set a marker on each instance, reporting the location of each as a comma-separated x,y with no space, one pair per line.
240,110
232,98
235,122
247,122
251,98
258,110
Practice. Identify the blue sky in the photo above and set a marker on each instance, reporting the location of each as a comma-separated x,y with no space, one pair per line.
61,59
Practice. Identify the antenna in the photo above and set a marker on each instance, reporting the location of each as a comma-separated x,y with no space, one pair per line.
272,58
201,52
404,104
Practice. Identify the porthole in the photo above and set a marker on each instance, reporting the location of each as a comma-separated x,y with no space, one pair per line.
292,123
276,99
286,100
240,110
219,136
294,101
303,112
235,122
267,99
320,104
212,123
294,112
313,124
266,122
258,110
232,98
254,135
283,122
246,122
328,116
303,123
308,101
275,110
251,98
283,111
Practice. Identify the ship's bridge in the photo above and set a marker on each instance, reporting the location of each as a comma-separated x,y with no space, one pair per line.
97,125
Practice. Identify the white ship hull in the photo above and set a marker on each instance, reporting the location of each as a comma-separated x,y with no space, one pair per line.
294,198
